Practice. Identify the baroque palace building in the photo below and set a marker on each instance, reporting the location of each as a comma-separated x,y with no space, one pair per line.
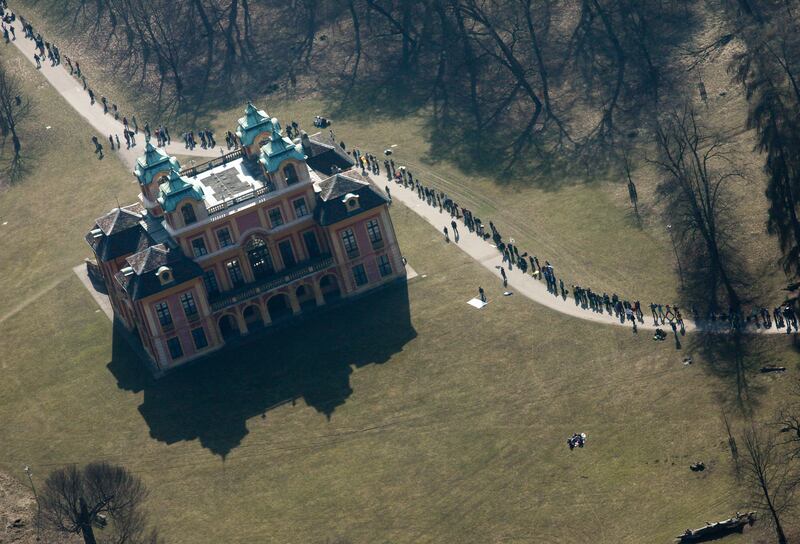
256,237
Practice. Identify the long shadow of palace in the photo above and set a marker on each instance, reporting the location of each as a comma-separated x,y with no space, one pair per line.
311,360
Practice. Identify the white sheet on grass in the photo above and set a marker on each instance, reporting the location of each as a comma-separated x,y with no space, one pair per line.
477,303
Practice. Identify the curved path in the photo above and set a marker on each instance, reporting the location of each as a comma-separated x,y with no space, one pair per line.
520,282
486,254
71,88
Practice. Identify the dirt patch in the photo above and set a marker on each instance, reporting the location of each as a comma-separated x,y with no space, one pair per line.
18,516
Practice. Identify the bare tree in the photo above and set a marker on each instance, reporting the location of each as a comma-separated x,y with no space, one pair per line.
696,169
13,108
789,421
75,500
768,474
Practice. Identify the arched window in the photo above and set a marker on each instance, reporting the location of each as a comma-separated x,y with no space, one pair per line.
188,214
259,257
291,174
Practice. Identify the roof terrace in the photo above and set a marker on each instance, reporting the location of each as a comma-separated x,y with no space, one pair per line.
230,180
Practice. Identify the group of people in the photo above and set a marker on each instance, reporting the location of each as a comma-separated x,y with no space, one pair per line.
206,139
7,24
45,49
576,440
366,161
622,309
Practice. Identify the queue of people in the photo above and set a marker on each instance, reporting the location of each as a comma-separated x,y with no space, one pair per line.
624,310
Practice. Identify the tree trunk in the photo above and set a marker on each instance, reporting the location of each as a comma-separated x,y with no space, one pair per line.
86,524
776,520
357,37
469,56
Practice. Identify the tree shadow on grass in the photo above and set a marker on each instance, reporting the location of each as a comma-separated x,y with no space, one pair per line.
731,355
734,358
453,135
13,167
311,360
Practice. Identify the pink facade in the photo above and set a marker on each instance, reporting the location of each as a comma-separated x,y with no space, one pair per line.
248,221
222,269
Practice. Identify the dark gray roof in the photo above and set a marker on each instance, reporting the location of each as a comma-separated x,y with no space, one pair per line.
118,220
144,281
331,208
122,234
149,259
323,155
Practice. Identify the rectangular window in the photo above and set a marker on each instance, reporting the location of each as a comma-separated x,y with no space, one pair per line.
312,246
374,231
164,317
199,338
384,265
224,237
349,241
275,217
210,279
188,214
287,254
235,273
291,175
199,247
189,306
360,275
175,349
300,209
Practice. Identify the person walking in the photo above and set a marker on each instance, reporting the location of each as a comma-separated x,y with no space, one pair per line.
111,139
481,294
37,61
446,236
389,194
98,148
455,230
503,275
116,137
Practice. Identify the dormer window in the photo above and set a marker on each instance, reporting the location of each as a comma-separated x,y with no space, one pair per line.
164,275
188,214
351,202
290,174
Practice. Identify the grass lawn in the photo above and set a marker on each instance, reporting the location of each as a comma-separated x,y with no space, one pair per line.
44,216
408,417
